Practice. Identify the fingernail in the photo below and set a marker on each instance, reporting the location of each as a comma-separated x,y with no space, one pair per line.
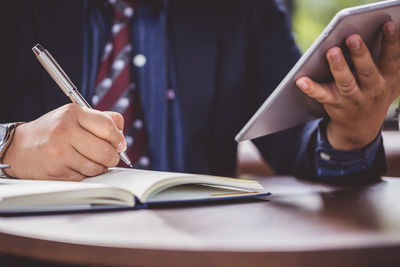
355,44
390,29
302,84
121,147
335,56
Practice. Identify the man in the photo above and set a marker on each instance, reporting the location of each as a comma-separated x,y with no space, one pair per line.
200,69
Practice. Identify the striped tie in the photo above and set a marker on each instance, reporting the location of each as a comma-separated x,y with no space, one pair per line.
115,89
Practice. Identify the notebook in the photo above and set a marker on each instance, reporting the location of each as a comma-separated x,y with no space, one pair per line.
121,188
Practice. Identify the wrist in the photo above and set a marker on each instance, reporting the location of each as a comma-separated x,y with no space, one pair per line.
350,137
7,132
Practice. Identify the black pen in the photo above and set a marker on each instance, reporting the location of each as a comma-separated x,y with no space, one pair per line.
59,76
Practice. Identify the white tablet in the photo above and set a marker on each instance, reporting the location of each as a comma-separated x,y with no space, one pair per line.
288,106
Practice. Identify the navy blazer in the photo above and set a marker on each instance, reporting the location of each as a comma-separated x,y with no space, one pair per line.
229,56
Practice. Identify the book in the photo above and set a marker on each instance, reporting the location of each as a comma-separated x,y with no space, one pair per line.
120,188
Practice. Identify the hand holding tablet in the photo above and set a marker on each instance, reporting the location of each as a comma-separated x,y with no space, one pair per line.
357,103
355,34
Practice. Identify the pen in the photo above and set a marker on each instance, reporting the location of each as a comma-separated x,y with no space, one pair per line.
59,76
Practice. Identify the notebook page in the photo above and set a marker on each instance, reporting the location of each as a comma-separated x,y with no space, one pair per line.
134,180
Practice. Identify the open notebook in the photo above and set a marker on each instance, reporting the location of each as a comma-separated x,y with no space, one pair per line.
120,187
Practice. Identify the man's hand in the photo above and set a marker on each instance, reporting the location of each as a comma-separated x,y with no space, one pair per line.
68,143
357,103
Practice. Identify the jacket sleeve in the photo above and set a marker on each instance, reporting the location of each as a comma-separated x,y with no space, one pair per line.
304,151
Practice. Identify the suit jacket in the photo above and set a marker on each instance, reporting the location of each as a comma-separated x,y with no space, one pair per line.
229,56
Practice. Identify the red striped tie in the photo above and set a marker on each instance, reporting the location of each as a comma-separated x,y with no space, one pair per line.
115,89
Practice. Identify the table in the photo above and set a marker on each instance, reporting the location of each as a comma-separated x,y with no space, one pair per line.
391,141
302,224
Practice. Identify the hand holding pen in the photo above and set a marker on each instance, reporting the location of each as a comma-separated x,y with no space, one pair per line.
68,143
65,83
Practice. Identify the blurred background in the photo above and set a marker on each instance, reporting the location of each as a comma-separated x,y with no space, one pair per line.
309,17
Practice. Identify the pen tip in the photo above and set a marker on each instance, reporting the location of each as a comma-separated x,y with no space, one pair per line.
130,165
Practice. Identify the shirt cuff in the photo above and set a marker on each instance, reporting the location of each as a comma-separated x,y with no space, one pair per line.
333,162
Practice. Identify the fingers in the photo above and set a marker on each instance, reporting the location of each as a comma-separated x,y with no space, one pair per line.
345,81
75,167
84,166
366,70
389,60
344,78
94,148
103,126
119,123
66,174
320,92
117,118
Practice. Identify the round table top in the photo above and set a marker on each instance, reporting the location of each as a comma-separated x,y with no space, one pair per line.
301,223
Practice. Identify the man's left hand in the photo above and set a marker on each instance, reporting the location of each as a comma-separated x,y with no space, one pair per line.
357,103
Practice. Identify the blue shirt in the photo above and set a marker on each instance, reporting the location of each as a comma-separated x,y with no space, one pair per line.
332,162
163,118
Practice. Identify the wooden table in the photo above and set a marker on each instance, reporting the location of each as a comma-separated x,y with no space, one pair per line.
391,141
302,224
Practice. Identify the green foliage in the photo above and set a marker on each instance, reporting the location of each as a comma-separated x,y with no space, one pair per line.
311,16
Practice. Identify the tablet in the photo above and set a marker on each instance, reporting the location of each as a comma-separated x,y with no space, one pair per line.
288,106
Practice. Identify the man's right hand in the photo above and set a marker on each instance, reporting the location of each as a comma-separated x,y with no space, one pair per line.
68,143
